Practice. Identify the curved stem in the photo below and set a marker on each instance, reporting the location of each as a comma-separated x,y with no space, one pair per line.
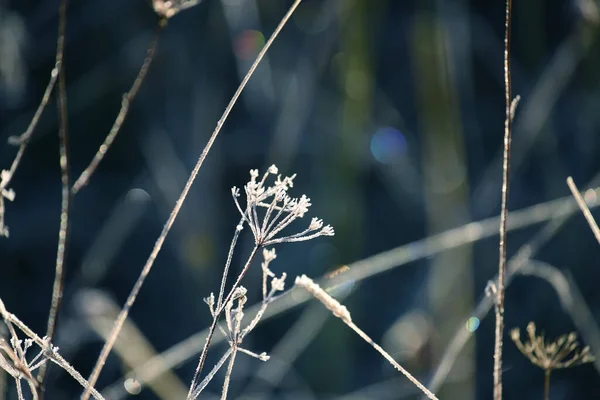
125,104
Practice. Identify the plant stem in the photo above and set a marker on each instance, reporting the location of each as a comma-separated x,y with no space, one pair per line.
63,233
504,211
236,235
218,312
125,104
547,384
228,375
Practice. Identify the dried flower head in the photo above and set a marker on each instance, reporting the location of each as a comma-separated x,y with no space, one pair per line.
269,210
563,352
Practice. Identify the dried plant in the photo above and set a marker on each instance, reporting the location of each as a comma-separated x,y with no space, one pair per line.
268,211
563,352
13,358
280,212
119,322
234,315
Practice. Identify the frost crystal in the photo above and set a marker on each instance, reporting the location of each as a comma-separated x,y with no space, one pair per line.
269,209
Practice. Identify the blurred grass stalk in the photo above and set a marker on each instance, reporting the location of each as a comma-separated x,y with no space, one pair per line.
445,188
132,346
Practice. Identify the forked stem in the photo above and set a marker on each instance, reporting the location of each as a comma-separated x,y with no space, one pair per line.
213,326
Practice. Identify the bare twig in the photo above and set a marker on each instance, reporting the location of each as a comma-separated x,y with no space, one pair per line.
504,211
125,104
167,227
63,234
584,208
342,313
23,140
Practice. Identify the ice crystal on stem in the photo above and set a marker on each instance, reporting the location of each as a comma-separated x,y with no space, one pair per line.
269,210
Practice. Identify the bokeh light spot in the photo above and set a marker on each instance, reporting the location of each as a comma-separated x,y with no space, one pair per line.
473,324
387,144
132,386
248,44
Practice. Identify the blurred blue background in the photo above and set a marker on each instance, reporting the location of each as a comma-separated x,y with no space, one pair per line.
392,115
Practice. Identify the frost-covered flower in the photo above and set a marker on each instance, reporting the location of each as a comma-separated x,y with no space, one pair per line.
269,209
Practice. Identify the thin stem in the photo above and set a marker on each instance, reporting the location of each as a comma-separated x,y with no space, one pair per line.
504,211
342,313
227,379
212,373
389,358
236,235
125,104
63,234
19,389
547,384
167,227
218,312
23,140
584,208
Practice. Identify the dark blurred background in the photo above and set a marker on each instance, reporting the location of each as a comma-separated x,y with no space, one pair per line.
391,113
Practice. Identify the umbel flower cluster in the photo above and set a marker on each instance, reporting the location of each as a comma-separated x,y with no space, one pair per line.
564,352
269,210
